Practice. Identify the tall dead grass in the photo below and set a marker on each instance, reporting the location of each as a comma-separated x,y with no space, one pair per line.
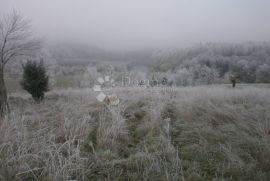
196,133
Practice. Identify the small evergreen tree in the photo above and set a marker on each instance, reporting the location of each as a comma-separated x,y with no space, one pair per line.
35,80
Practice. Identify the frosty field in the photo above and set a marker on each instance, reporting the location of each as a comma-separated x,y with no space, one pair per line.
192,133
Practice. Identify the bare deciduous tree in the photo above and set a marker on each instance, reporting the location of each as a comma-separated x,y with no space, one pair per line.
15,41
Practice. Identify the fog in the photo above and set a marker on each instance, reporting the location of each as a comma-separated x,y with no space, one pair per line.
137,24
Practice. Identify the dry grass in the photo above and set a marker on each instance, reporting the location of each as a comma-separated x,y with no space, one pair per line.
197,133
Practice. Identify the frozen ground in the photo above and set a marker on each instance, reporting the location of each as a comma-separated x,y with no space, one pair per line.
192,133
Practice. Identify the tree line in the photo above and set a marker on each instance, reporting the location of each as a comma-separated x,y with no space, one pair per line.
213,62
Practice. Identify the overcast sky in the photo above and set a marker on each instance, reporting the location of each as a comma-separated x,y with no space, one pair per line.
132,24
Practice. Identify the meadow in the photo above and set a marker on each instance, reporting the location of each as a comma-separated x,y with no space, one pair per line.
187,133
134,90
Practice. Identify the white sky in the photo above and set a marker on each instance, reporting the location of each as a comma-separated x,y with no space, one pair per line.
132,24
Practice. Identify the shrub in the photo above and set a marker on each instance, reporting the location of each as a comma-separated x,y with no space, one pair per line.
35,81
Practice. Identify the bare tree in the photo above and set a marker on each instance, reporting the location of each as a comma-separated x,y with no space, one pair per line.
15,41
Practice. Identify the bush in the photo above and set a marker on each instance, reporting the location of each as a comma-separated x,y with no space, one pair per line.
35,81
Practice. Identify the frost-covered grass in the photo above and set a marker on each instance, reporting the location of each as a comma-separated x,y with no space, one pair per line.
193,133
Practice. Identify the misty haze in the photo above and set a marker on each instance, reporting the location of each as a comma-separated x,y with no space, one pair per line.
134,90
